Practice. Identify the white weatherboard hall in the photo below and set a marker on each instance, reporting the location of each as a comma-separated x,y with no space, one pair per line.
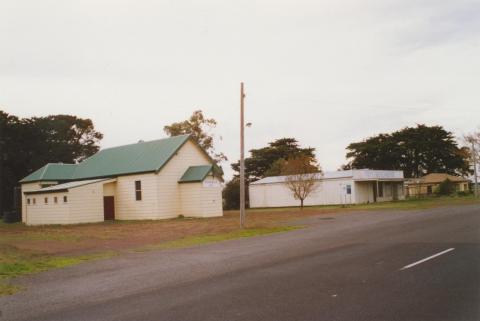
148,180
340,187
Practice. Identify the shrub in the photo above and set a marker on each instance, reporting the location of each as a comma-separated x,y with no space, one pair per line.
463,193
231,195
447,187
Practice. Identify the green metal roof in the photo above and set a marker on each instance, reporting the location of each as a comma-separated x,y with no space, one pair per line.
128,159
141,157
196,173
51,172
67,186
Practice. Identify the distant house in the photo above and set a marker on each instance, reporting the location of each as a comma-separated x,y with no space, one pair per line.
427,184
340,187
148,180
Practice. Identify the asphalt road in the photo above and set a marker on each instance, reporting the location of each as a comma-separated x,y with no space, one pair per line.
342,267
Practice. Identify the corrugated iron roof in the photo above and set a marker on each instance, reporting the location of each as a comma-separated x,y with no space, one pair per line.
66,186
141,157
134,158
196,174
51,172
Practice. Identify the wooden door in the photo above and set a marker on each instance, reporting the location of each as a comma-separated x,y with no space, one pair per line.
108,208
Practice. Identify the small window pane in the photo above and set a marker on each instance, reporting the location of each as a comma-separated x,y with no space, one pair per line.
28,201
138,185
34,201
46,200
138,195
65,199
349,189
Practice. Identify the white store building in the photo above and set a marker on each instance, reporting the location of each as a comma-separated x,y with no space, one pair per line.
355,186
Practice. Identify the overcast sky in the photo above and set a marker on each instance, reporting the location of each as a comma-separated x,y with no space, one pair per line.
325,72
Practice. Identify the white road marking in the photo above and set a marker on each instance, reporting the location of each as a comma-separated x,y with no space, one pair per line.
427,258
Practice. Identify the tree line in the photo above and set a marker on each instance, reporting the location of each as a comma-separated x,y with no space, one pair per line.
415,150
26,144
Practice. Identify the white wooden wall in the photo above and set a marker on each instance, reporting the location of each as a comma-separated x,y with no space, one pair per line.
86,203
201,199
28,187
127,207
50,213
168,189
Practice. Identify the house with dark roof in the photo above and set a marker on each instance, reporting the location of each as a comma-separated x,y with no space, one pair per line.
158,179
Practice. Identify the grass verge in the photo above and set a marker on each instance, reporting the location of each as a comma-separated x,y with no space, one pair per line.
205,239
14,263
408,204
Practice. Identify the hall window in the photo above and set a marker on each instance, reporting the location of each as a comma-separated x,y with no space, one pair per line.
138,190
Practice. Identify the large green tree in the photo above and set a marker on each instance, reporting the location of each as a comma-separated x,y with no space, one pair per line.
415,150
268,161
198,127
29,143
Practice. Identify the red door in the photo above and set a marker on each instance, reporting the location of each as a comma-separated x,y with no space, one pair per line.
108,208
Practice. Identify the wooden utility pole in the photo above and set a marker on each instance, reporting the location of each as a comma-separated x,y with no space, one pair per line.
474,152
242,158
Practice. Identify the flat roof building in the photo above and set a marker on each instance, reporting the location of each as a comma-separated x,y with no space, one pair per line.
340,187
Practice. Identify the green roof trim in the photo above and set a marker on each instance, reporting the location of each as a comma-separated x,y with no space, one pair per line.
196,173
51,172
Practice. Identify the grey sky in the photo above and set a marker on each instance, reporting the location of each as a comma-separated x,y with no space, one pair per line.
325,72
